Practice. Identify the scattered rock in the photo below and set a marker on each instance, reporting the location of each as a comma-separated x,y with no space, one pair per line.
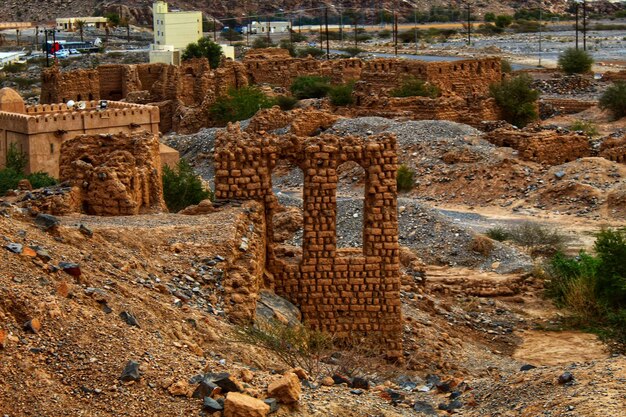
424,408
273,403
241,405
287,389
85,230
46,221
527,367
224,381
3,338
14,247
340,379
358,382
566,378
328,381
302,374
246,375
129,319
131,372
70,268
270,307
356,391
210,405
205,389
33,325
180,388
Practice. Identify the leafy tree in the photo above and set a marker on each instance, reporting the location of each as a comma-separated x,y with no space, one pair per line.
113,18
505,66
298,37
80,25
575,61
614,99
11,175
404,178
503,21
310,87
182,187
414,87
204,48
490,17
516,99
239,104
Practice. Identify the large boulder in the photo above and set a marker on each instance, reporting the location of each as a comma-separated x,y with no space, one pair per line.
287,389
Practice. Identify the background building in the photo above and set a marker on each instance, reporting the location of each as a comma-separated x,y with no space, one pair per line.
173,31
68,24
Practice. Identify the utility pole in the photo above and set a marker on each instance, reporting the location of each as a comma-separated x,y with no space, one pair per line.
395,29
17,36
540,32
214,30
356,37
469,23
45,31
415,27
37,38
576,25
269,29
584,25
326,24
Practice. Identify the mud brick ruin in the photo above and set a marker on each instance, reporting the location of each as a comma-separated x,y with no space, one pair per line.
342,291
113,175
39,131
185,93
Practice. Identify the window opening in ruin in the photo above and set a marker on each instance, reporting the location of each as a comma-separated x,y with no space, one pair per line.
287,220
87,160
350,205
90,97
52,148
79,98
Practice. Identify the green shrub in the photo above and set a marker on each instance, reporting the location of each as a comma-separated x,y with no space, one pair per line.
239,104
589,128
404,178
490,17
614,99
204,48
489,29
384,34
310,50
286,102
41,179
412,87
503,21
498,233
298,37
409,35
16,159
592,287
310,87
575,61
231,35
262,42
352,51
505,66
14,67
182,187
295,345
286,44
341,95
8,180
516,99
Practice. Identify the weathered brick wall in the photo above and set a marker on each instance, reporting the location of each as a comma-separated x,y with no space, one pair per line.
114,174
614,149
342,291
568,106
544,146
60,87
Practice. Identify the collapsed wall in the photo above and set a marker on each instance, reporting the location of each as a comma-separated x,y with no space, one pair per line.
614,149
113,175
544,146
342,291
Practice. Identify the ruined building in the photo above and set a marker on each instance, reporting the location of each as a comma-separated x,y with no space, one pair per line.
39,131
345,292
185,93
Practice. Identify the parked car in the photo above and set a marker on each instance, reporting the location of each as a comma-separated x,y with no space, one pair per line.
74,52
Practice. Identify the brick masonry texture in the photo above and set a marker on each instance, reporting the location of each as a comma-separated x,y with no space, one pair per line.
341,291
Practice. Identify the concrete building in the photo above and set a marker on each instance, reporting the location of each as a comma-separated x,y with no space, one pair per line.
173,31
68,24
9,57
38,131
263,27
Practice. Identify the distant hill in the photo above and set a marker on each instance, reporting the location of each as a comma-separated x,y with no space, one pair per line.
139,11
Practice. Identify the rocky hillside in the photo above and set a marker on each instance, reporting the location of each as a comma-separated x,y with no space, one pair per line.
140,10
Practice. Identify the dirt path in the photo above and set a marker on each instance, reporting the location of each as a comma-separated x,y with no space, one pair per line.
559,348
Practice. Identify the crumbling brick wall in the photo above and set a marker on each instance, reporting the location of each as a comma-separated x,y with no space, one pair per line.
566,106
544,146
60,87
342,291
114,174
614,149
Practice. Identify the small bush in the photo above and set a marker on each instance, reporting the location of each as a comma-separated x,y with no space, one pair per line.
182,187
575,61
286,44
498,233
481,244
262,42
310,87
16,159
341,95
538,239
297,37
516,99
41,179
239,104
232,35
589,128
8,180
286,102
404,178
412,87
14,67
614,99
352,51
384,34
296,346
310,50
505,66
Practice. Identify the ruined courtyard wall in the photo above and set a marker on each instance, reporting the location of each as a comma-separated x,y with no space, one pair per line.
60,87
114,174
340,291
614,149
543,146
569,106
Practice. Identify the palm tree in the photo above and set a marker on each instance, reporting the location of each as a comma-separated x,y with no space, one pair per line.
80,25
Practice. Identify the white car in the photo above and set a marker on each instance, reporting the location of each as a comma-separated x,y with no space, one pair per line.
74,52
